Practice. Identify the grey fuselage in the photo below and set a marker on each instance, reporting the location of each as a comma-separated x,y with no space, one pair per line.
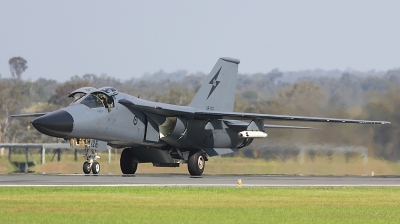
127,127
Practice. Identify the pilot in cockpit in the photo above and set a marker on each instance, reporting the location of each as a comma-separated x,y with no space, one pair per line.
104,99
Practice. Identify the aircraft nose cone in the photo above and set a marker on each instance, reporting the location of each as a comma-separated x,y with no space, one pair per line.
57,124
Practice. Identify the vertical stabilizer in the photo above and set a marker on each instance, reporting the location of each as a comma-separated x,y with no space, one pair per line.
218,90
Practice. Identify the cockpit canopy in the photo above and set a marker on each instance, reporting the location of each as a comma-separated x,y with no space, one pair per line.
111,91
84,90
94,98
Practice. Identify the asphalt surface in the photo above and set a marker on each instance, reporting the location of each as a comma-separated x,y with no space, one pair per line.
204,181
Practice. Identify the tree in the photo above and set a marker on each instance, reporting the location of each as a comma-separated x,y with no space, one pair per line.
17,67
10,103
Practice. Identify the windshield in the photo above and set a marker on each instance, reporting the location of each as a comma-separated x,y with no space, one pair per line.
92,101
77,97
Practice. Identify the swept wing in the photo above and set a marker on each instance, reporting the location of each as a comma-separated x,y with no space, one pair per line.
201,114
192,113
241,124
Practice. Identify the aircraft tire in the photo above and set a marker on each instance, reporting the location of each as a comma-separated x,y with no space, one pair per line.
86,168
196,163
95,168
127,162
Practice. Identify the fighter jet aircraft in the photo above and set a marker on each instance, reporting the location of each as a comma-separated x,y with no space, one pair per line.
163,134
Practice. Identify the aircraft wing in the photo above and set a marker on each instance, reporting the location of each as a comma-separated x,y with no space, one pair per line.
30,115
203,114
241,124
285,126
191,113
161,109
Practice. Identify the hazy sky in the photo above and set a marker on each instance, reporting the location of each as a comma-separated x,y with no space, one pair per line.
125,39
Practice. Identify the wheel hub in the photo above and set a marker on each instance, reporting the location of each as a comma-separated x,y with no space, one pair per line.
97,167
200,162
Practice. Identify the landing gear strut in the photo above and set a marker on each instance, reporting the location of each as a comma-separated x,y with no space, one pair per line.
91,165
196,163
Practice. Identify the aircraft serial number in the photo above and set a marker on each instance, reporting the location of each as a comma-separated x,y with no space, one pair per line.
210,108
94,143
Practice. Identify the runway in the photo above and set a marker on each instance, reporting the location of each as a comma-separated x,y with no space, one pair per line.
204,181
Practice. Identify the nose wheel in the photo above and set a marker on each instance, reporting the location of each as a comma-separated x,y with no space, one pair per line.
86,168
94,168
91,165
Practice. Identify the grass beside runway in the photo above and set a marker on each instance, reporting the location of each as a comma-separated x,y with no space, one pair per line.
337,165
199,205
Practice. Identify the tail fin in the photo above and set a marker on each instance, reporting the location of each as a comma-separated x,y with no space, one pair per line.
218,90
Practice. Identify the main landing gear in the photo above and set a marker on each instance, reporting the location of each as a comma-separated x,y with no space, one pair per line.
91,165
196,163
128,162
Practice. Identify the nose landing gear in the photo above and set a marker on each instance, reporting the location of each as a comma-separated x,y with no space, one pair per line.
91,165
